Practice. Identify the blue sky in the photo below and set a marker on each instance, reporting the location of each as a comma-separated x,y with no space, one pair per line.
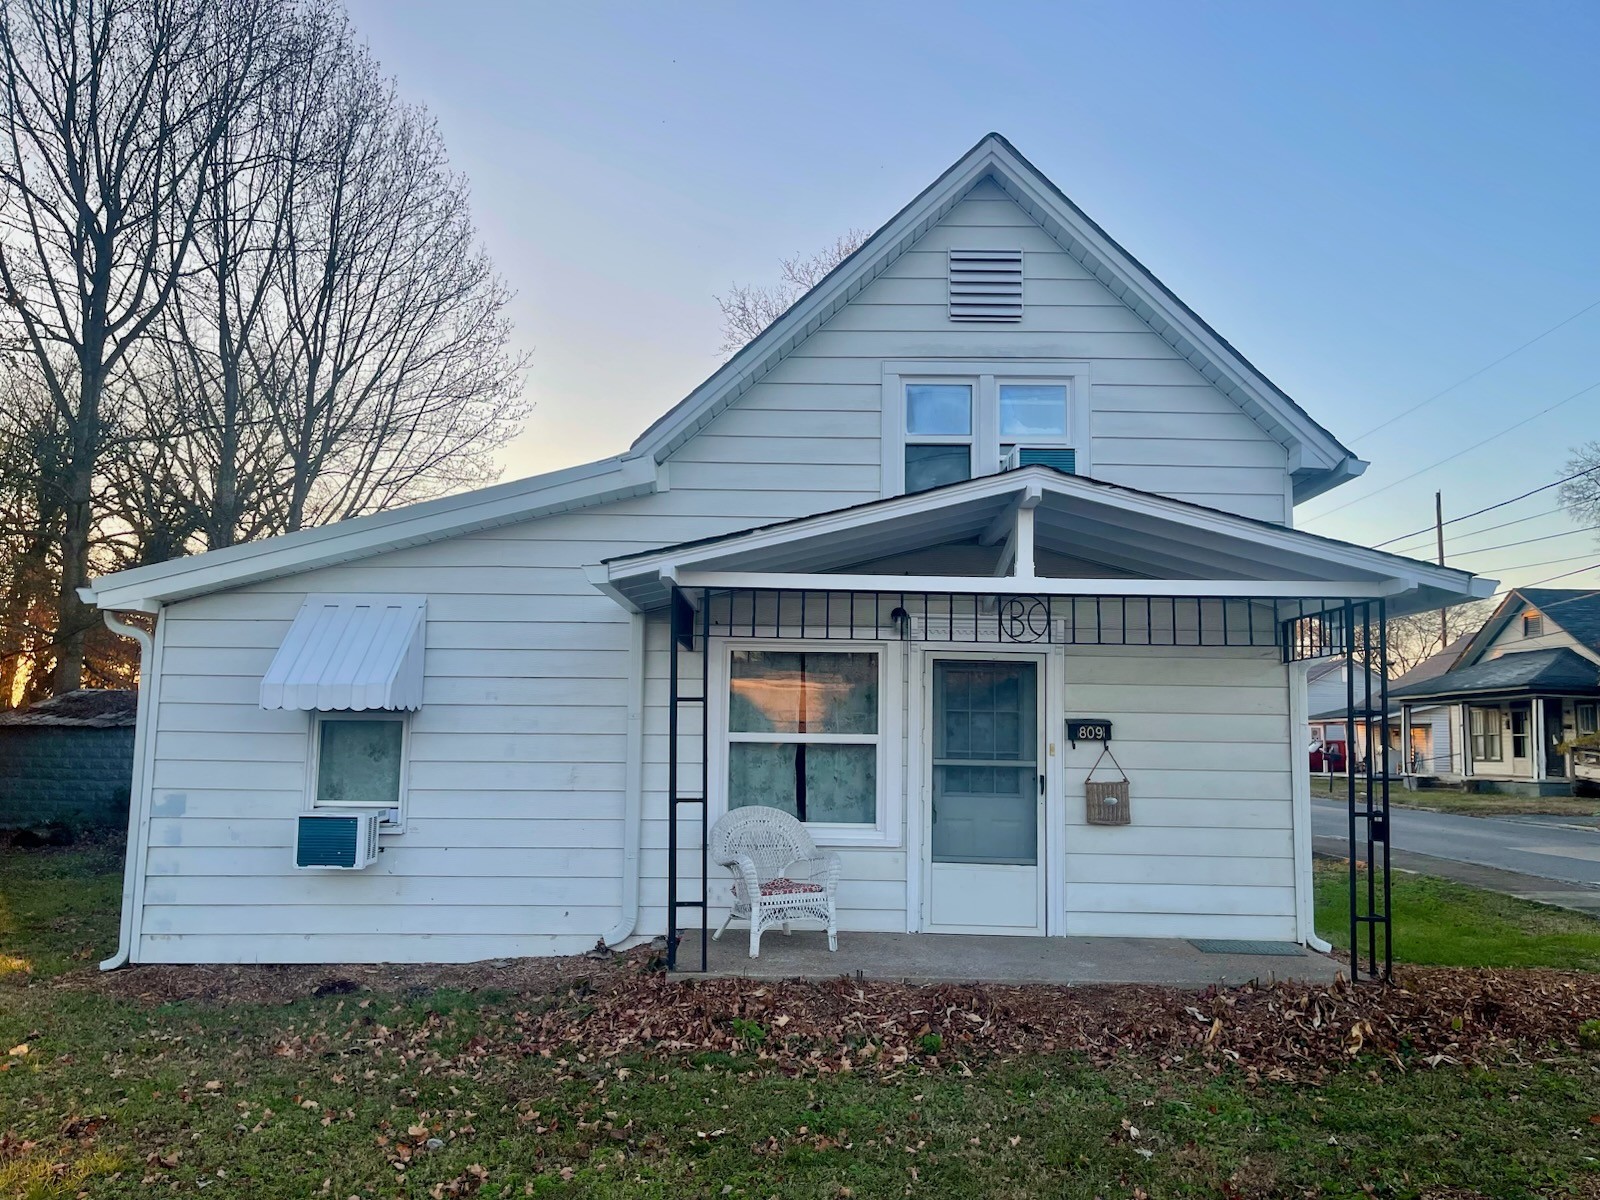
1372,201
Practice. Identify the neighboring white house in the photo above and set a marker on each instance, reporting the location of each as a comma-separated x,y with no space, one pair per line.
989,475
1515,692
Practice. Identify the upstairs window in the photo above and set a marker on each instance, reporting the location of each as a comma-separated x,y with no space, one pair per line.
938,432
945,422
1532,625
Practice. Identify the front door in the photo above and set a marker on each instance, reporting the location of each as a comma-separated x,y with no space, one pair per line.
986,797
1521,742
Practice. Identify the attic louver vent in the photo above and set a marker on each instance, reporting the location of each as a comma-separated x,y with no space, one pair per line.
986,285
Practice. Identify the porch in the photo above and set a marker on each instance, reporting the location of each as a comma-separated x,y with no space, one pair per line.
911,679
965,957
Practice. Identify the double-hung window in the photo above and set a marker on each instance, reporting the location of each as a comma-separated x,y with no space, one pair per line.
1485,730
805,734
938,429
944,422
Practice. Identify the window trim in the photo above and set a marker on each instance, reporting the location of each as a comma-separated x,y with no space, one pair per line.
888,831
389,824
1489,731
985,377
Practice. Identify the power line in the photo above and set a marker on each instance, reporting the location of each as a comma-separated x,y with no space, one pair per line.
1469,378
1525,541
1493,437
1549,562
1549,512
1486,509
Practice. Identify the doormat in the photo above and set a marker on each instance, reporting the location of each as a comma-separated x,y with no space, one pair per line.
1244,946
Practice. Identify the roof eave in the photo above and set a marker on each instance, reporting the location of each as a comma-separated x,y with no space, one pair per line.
145,589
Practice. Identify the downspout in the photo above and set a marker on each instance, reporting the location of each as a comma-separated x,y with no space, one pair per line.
1305,905
139,784
633,785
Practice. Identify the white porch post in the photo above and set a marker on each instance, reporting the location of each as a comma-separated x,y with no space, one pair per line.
1536,738
1305,905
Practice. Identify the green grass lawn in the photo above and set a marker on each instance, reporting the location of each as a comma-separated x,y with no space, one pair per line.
1471,804
1438,922
108,1097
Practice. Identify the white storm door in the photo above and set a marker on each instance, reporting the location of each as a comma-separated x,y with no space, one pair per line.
986,797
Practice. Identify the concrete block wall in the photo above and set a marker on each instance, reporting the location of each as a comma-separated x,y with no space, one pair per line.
78,777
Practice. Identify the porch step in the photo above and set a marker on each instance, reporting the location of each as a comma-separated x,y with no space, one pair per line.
1244,946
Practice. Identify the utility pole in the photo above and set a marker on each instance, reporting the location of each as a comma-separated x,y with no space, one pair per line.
1438,532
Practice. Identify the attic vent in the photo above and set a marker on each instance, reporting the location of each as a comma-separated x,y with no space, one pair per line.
1532,625
986,285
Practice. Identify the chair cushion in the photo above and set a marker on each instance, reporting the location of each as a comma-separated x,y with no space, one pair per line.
782,886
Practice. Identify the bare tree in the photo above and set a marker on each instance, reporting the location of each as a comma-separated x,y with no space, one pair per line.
1581,496
1415,638
748,309
110,115
385,363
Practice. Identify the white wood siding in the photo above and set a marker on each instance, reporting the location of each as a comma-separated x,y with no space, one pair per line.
1203,735
807,437
1510,639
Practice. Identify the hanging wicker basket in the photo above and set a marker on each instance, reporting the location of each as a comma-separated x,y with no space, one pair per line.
1106,801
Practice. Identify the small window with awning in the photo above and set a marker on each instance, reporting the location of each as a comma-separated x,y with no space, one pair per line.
350,653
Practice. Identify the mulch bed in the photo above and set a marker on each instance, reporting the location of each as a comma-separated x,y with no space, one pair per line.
566,1008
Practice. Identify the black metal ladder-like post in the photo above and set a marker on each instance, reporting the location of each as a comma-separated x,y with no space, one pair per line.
1368,820
684,618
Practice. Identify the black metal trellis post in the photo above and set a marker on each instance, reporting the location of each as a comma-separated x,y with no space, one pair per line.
683,618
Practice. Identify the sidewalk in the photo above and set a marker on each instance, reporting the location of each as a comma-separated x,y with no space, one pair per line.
1573,896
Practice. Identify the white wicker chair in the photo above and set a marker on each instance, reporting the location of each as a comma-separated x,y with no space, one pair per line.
759,846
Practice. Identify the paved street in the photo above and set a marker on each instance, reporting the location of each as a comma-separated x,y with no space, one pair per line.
1537,858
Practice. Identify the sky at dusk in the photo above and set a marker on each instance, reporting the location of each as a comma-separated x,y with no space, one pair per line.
1372,201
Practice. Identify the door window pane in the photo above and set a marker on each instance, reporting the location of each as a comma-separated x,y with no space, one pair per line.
985,769
933,466
358,762
811,781
795,691
942,409
1033,410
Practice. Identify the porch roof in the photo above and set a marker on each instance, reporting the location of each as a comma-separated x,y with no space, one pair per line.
1558,672
1036,531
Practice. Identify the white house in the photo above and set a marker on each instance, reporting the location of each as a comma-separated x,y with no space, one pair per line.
989,475
1516,692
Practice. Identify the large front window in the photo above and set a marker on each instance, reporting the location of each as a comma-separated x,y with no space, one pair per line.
803,733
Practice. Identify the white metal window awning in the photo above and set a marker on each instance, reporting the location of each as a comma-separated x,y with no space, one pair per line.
347,652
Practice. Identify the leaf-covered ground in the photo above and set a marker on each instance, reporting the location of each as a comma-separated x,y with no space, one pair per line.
604,1079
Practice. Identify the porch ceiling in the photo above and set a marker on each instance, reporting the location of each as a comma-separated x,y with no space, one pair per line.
1036,530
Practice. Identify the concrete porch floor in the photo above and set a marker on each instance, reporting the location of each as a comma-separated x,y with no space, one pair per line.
966,958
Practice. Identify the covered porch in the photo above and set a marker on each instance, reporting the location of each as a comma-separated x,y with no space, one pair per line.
990,958
1512,718
969,659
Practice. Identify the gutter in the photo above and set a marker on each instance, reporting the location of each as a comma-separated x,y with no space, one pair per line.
633,785
139,785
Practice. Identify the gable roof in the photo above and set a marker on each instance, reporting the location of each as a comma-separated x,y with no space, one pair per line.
1435,664
1318,461
1576,611
1135,536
